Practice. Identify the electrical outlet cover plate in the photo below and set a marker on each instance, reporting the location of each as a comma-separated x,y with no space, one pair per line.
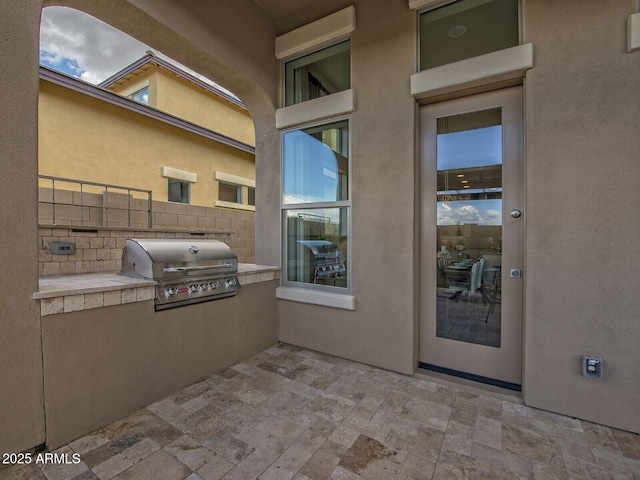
592,366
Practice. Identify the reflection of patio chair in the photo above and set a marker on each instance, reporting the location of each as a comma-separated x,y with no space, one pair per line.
443,259
492,292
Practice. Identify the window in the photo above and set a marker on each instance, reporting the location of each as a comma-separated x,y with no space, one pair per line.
141,96
318,74
316,206
467,28
178,191
229,193
235,191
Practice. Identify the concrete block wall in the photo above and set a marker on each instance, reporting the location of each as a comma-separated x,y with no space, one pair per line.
99,233
96,249
99,249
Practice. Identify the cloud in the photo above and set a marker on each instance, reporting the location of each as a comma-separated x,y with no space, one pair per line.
87,48
480,212
83,46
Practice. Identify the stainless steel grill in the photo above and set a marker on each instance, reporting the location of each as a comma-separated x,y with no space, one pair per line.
321,259
186,271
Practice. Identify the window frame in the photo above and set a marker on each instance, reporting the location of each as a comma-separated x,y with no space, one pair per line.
437,5
346,204
238,189
188,184
316,51
137,92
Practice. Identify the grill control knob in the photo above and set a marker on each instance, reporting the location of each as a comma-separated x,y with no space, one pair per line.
172,291
213,285
193,288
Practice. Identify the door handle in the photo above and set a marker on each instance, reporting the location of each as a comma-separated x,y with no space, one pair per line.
515,213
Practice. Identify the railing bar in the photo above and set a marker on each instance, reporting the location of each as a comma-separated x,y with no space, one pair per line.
106,206
97,184
149,207
106,210
53,200
81,205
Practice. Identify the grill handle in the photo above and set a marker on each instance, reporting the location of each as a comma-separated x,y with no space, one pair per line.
199,267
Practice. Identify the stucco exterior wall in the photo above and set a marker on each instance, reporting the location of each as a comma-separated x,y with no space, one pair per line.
185,100
582,219
84,138
104,363
380,330
21,399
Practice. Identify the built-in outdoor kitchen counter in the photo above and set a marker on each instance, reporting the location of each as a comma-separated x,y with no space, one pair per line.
84,291
107,351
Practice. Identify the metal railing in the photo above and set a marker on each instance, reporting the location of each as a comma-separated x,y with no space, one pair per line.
73,199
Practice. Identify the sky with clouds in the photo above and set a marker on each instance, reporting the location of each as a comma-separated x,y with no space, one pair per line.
84,47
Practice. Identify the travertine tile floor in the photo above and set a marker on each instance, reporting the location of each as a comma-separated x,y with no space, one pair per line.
291,413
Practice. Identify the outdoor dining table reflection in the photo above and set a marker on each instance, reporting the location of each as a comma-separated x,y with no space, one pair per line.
457,278
467,277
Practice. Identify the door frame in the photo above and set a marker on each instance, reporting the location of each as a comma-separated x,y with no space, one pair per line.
502,366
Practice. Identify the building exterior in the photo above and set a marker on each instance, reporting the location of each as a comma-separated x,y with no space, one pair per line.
560,95
200,156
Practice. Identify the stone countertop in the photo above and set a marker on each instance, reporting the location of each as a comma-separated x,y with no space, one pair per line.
86,283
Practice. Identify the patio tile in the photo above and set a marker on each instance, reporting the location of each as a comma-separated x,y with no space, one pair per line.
159,465
291,413
189,452
323,461
214,469
140,450
229,447
369,458
288,464
111,467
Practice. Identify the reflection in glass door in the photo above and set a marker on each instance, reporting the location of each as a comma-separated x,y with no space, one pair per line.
469,226
471,177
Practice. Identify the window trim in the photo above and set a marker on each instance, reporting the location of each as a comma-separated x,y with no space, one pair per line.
292,287
319,109
316,297
508,65
317,34
177,174
241,182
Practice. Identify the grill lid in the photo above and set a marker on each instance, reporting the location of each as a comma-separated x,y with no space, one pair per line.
158,258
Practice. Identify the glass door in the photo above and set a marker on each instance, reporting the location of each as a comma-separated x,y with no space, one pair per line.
471,237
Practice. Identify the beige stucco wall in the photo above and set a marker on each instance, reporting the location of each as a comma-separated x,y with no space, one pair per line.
81,137
582,222
104,363
582,218
21,400
185,100
381,329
